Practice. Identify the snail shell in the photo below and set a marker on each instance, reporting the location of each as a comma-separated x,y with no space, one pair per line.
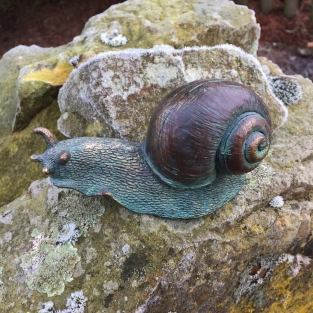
205,127
201,138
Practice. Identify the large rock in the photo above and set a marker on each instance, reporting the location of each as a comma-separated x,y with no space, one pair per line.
146,23
115,93
247,256
30,77
12,97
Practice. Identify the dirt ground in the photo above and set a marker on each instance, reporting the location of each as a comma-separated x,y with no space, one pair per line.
50,23
283,40
46,23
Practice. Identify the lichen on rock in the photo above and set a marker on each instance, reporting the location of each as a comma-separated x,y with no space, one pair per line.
114,38
49,267
286,89
277,202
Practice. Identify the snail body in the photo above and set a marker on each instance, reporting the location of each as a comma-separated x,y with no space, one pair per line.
202,138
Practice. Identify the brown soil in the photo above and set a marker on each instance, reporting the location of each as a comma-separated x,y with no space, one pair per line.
294,32
46,23
283,40
49,23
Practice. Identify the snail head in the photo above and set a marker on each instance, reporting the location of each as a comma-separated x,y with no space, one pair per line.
54,155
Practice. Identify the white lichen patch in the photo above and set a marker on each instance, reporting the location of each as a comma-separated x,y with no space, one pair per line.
91,254
277,202
76,303
161,74
69,234
126,249
74,60
113,38
7,217
48,308
110,286
254,275
8,236
286,89
234,73
297,262
266,69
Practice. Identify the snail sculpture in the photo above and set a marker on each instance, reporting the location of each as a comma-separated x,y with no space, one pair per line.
202,138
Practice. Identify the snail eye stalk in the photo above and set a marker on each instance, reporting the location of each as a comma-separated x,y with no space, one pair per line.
64,157
47,135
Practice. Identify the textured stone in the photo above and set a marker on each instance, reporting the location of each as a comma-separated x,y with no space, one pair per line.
146,23
11,98
115,93
246,257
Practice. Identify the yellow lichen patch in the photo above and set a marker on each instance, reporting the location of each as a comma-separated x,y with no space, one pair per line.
247,308
282,293
292,294
257,228
55,77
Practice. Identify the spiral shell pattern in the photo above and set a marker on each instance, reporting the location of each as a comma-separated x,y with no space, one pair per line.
207,127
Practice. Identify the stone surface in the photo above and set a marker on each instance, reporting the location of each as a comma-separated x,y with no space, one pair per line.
11,98
115,93
246,257
146,23
31,76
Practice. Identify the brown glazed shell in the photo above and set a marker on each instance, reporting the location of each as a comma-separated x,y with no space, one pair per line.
205,127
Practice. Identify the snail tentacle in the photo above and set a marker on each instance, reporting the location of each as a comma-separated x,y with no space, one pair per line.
47,135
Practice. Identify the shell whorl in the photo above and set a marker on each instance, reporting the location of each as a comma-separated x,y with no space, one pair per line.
205,127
